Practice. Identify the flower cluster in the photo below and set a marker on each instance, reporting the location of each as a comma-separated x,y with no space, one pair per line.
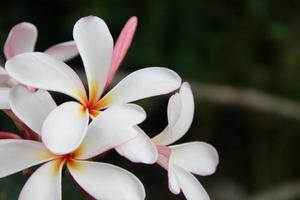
73,133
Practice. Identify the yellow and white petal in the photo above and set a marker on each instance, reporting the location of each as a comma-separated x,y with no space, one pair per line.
16,155
139,149
105,181
197,157
44,183
4,98
180,116
63,51
31,107
65,128
42,71
141,84
95,46
190,186
21,38
111,128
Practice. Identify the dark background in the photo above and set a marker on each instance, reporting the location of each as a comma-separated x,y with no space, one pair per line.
250,46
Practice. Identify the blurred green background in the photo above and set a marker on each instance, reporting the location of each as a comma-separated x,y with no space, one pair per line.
240,44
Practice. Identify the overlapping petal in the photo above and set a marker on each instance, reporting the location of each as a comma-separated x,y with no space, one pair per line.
65,127
105,181
121,47
21,39
4,98
180,116
16,155
197,157
95,45
40,70
190,186
44,183
141,84
111,128
139,149
3,76
31,108
63,51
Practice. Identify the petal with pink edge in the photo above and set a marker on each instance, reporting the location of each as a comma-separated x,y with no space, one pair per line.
16,155
121,47
139,149
31,107
197,157
111,128
40,70
65,128
21,38
95,45
105,181
4,98
63,51
147,82
44,183
180,116
190,186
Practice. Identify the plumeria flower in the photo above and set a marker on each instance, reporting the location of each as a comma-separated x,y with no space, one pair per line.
184,159
22,38
95,46
181,160
100,180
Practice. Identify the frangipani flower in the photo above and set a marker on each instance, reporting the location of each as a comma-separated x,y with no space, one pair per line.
22,38
95,45
100,180
179,160
182,160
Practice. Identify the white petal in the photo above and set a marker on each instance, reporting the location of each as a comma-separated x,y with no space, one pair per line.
105,181
197,157
21,39
173,181
65,127
139,149
111,128
44,183
16,155
95,45
174,109
190,186
163,161
63,51
141,84
4,98
40,70
31,107
180,116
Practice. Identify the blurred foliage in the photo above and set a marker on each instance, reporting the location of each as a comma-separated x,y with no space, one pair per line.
242,43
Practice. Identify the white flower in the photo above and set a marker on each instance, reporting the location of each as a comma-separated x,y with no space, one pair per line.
102,181
182,160
22,38
95,45
179,160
